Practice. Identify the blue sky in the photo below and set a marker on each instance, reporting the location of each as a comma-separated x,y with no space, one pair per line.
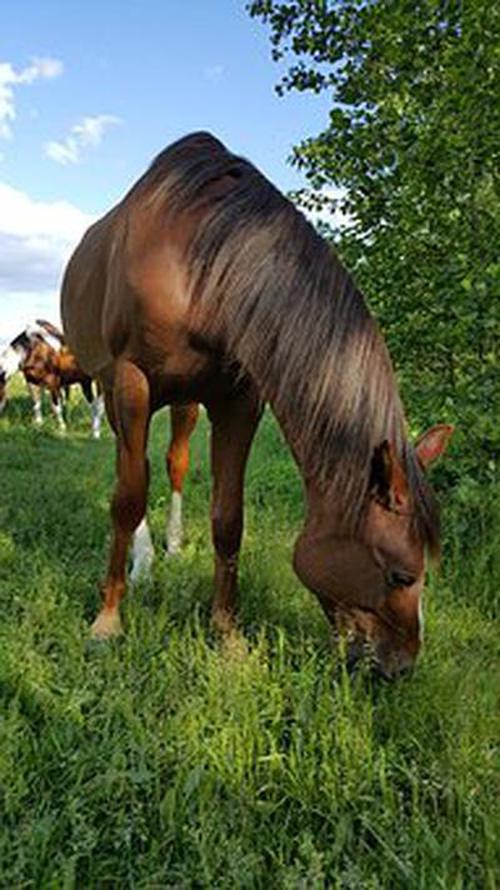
91,91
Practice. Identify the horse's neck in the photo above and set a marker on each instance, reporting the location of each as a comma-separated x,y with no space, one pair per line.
291,431
325,499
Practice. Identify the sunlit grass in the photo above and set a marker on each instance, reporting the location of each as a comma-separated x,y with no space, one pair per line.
167,760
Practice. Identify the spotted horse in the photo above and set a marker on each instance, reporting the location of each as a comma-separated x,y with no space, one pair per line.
40,352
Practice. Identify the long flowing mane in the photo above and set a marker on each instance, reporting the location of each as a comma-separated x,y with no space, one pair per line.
292,317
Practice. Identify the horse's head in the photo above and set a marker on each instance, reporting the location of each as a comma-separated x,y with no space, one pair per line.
10,360
370,582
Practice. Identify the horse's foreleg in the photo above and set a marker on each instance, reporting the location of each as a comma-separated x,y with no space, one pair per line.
36,397
129,411
183,422
142,545
234,422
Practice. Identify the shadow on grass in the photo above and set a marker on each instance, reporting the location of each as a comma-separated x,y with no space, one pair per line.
54,507
55,522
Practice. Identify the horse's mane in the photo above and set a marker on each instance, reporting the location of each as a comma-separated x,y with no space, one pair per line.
290,314
52,330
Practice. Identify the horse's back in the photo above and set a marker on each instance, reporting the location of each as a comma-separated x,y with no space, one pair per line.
126,294
130,291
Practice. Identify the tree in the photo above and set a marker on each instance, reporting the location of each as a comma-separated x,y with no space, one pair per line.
413,140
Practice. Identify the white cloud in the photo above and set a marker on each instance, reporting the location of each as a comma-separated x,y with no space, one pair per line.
63,152
88,132
36,240
39,69
44,68
213,72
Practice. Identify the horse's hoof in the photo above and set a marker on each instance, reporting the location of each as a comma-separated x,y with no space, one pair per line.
234,645
106,626
223,622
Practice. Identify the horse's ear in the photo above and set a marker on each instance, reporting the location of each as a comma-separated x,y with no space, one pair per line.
433,443
387,479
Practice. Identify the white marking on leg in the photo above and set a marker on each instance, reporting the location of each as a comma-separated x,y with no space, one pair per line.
36,395
142,553
97,411
174,525
58,414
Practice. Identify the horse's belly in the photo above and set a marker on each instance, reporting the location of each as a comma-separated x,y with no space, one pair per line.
177,370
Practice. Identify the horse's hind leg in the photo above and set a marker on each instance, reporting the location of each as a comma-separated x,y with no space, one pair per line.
234,422
97,410
96,402
183,422
129,411
36,397
57,407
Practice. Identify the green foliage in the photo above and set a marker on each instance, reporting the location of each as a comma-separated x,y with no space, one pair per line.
167,760
413,140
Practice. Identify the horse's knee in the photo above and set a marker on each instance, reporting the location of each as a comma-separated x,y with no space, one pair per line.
129,502
128,508
226,533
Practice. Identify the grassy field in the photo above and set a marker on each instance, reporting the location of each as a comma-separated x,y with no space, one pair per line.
165,760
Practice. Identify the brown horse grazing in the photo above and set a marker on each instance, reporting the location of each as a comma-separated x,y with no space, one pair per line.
41,354
206,285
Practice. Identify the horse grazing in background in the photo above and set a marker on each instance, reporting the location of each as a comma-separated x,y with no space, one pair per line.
40,352
204,284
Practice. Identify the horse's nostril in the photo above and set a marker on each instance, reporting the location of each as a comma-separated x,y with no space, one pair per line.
380,672
352,661
360,655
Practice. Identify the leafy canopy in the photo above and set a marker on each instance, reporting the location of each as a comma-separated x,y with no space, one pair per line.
413,141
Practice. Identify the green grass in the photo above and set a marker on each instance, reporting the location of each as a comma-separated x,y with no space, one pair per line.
166,760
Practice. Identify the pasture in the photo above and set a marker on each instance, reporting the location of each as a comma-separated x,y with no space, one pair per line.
166,759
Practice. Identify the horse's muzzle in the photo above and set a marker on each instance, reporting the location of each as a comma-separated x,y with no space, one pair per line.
382,666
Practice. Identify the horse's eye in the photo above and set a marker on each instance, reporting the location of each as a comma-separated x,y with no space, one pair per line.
400,578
